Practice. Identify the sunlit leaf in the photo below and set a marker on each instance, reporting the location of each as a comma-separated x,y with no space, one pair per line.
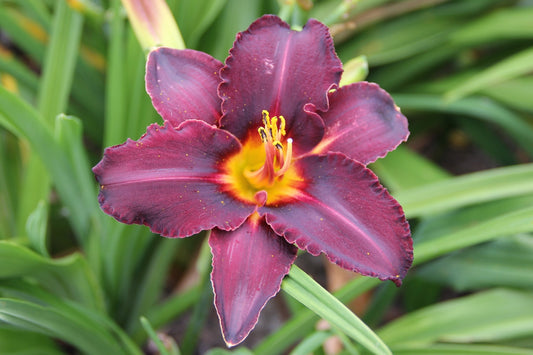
302,287
68,277
484,317
515,66
505,262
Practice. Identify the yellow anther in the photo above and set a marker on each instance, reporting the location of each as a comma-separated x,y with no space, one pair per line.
263,134
282,126
266,118
278,145
274,127
271,132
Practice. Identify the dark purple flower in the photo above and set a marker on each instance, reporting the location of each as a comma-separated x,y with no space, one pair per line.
270,155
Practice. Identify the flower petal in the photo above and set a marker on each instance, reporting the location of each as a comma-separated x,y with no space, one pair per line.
273,68
362,122
183,85
169,180
345,213
248,266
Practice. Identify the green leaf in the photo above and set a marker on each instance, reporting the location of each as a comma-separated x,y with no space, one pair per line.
54,89
478,107
489,316
69,276
303,322
454,221
462,349
514,93
235,16
504,24
311,343
21,73
403,169
505,262
69,135
171,308
28,307
60,60
399,39
151,280
24,31
36,228
10,165
194,18
139,110
507,224
115,90
158,343
27,123
302,287
17,342
123,248
239,351
467,190
515,66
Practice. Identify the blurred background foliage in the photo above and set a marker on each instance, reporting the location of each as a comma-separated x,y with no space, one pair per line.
73,280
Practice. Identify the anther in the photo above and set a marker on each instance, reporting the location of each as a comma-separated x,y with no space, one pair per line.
263,134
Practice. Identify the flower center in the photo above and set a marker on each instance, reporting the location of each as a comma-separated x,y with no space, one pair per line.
277,158
264,164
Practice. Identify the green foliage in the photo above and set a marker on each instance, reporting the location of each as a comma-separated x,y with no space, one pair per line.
72,83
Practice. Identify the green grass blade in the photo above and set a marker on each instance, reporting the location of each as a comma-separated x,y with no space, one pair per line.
506,224
36,228
302,287
53,96
115,113
194,18
489,316
17,342
25,32
505,262
403,169
69,135
504,24
68,277
10,166
513,93
304,322
26,122
479,107
311,343
170,308
462,349
236,16
466,190
59,62
158,343
517,65
28,307
151,280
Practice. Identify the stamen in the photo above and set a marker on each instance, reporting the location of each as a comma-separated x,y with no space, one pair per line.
275,156
263,134
282,127
287,159
266,118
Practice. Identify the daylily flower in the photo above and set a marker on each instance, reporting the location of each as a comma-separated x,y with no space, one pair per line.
270,155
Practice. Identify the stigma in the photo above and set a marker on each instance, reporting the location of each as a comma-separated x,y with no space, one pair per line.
277,155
